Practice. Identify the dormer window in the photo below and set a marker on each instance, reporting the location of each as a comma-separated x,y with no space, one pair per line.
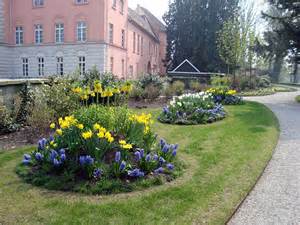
81,2
38,3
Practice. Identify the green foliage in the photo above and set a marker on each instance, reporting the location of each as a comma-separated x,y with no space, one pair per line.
298,98
221,82
178,87
26,104
137,92
195,86
151,92
90,76
7,123
150,79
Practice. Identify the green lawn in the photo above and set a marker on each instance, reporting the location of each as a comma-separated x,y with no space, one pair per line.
224,160
298,98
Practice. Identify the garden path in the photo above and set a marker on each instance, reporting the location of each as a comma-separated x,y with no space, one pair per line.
275,200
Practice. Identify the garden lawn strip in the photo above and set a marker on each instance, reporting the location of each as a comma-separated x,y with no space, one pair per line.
229,155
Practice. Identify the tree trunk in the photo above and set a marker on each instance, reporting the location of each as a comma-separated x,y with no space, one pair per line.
296,73
277,68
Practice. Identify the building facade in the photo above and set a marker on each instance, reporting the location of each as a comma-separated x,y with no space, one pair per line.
40,38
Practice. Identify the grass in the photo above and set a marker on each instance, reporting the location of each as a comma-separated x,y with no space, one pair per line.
224,160
268,91
298,98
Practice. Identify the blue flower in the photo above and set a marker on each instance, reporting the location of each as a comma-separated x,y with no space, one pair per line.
42,144
136,173
122,165
142,151
162,160
148,158
62,151
97,173
170,166
174,147
174,153
27,156
162,143
159,170
56,162
166,148
26,161
137,156
63,157
155,157
51,138
166,110
53,155
39,156
89,160
118,157
82,160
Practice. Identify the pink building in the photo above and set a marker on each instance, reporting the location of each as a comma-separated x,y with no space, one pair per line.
47,37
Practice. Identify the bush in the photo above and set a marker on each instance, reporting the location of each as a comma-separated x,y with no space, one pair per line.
195,86
221,82
178,87
98,148
188,109
7,123
151,92
298,98
151,79
136,93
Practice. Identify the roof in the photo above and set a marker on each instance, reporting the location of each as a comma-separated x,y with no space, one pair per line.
186,66
154,21
141,22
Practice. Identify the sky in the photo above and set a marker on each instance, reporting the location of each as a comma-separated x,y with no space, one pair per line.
159,7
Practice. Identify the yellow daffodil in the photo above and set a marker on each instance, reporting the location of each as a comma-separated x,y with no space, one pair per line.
101,134
80,126
87,135
93,94
110,139
59,132
77,90
97,126
122,142
102,129
127,146
52,125
97,87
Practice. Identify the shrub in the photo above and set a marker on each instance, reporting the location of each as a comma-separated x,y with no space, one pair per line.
151,92
178,87
298,98
97,148
222,82
225,96
7,123
197,108
195,86
151,79
136,93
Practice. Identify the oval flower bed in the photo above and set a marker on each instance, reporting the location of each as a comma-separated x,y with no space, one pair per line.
191,109
100,150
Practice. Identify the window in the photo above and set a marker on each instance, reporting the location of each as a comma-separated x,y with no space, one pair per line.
134,40
142,46
81,31
82,65
121,6
59,33
60,66
38,3
123,39
114,4
81,2
150,48
19,35
111,33
111,65
123,67
38,33
25,66
41,66
138,45
130,71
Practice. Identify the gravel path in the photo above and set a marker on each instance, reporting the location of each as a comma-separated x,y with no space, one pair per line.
275,199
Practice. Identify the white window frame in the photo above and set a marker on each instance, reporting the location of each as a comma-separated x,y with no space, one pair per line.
82,65
60,66
111,33
25,67
38,33
81,2
59,33
41,66
19,35
81,31
38,3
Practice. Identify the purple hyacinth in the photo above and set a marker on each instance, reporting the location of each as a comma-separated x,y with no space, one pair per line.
174,153
155,157
39,156
136,173
122,165
166,110
162,143
82,160
53,155
42,144
62,151
97,173
148,158
118,157
159,170
27,156
63,157
56,162
142,151
89,160
170,166
138,156
166,148
162,160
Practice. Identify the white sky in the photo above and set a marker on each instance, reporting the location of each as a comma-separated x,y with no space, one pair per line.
159,7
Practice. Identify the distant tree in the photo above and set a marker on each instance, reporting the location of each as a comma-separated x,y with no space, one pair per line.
192,27
284,17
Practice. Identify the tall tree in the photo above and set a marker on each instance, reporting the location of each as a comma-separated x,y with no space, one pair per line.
286,24
192,27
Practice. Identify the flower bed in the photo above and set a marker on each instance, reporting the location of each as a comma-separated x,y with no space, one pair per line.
100,150
225,96
188,109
